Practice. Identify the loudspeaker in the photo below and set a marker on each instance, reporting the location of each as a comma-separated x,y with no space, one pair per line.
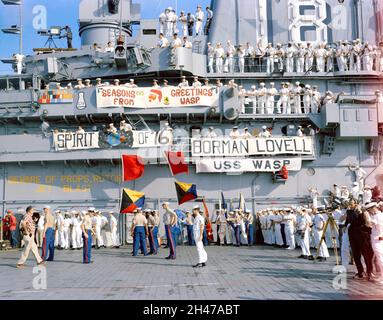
230,113
328,145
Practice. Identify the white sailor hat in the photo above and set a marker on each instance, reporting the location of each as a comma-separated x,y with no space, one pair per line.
262,84
131,80
253,87
344,187
87,80
111,212
264,127
116,80
235,127
98,79
246,129
195,77
272,83
58,211
307,86
211,128
183,77
47,207
370,205
247,211
79,79
74,212
123,121
91,209
196,207
166,203
355,183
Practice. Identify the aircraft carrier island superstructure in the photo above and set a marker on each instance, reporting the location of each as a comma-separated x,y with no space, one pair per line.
46,159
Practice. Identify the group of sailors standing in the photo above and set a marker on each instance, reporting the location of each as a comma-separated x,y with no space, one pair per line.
295,57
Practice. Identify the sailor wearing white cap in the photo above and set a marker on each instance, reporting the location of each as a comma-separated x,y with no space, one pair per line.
59,229
198,227
196,82
265,133
297,93
199,16
234,134
309,55
241,52
376,220
169,21
318,227
66,227
367,194
303,230
307,99
210,57
76,235
116,82
270,58
183,83
79,84
355,191
299,132
289,220
113,229
97,224
155,84
262,98
271,93
170,221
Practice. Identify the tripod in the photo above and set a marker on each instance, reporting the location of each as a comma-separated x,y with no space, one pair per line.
334,232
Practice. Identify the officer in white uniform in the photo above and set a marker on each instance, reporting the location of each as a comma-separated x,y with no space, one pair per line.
66,228
184,83
113,229
196,82
297,92
309,57
19,58
97,224
301,58
316,98
356,56
265,133
289,220
262,98
252,94
271,93
320,54
307,99
199,16
376,220
241,58
198,226
318,226
284,100
329,58
230,51
280,56
219,53
270,58
303,229
234,134
76,231
162,22
169,21
184,23
210,57
290,55
59,225
249,55
40,230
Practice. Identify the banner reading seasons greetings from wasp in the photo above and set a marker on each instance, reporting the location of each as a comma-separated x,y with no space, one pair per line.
170,97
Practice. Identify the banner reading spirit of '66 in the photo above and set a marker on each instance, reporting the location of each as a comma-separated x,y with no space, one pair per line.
228,147
75,141
120,96
247,165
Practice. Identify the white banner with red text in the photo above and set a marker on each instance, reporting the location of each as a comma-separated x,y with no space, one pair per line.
169,97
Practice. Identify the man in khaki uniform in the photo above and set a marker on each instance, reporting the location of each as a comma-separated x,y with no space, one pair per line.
87,231
139,232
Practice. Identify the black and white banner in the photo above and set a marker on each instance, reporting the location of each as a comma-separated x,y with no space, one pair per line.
248,165
75,141
228,147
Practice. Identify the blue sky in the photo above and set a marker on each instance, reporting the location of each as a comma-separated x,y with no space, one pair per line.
61,13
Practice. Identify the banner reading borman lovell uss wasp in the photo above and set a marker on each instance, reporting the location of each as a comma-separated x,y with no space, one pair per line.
227,147
170,97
